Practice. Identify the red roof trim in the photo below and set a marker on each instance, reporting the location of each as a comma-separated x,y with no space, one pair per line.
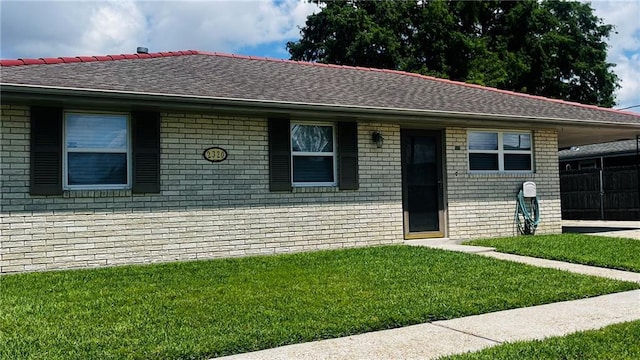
52,60
87,58
44,61
11,62
32,61
70,59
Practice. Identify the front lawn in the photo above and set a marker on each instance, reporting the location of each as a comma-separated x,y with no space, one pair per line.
615,253
197,310
619,341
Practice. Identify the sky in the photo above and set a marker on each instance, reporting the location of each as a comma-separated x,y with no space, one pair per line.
32,29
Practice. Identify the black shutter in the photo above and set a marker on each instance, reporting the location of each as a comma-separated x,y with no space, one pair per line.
146,151
279,155
348,155
46,151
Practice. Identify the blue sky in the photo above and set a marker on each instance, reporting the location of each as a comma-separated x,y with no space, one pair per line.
252,27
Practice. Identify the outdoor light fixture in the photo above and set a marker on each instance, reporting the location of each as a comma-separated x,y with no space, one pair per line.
377,138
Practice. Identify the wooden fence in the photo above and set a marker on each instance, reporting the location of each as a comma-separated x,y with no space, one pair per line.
595,194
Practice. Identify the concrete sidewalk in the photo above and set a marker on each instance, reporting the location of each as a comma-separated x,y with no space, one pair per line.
561,265
472,333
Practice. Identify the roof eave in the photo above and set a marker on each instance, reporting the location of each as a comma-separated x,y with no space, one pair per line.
87,97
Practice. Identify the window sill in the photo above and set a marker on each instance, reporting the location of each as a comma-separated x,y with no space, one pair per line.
94,193
501,174
315,189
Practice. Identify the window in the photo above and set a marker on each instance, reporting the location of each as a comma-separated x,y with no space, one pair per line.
96,151
313,154
500,151
117,151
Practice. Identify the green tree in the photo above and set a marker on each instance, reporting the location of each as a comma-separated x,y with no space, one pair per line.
552,48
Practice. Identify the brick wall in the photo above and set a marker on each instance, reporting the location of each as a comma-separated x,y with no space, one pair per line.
204,210
483,205
208,210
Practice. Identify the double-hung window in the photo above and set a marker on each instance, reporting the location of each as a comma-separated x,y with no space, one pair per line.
500,151
313,154
96,153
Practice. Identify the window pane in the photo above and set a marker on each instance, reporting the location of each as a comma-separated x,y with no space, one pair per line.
97,169
313,169
483,141
312,138
517,161
102,131
483,162
516,142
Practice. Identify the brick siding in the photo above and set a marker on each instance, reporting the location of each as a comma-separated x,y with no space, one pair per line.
208,210
205,210
483,205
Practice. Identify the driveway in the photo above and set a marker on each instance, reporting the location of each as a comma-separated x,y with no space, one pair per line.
626,229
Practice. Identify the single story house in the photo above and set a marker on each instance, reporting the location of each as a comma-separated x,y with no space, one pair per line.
154,157
599,156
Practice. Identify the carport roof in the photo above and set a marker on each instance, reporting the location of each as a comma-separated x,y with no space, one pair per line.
205,76
604,149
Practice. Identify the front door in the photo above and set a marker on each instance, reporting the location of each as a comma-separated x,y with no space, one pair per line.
422,188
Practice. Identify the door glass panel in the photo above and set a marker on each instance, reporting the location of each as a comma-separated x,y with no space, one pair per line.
421,181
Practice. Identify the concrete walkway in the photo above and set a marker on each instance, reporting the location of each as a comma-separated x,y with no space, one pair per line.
472,333
561,265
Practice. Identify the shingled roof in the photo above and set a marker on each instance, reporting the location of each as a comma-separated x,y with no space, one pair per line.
604,149
207,75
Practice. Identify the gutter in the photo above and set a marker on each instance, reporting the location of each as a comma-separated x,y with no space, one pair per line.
115,98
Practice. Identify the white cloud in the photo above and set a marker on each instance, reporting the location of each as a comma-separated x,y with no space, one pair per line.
113,27
223,25
624,48
65,28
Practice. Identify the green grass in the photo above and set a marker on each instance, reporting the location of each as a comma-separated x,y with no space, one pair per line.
615,253
620,341
197,310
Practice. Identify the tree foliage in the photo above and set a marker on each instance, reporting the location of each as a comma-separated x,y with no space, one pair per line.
550,48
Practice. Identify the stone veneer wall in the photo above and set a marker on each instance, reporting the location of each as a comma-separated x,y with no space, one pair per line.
483,205
205,210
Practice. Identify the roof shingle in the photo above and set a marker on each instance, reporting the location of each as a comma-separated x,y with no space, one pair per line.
593,150
215,75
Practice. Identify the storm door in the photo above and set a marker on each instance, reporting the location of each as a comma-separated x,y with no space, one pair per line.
422,185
